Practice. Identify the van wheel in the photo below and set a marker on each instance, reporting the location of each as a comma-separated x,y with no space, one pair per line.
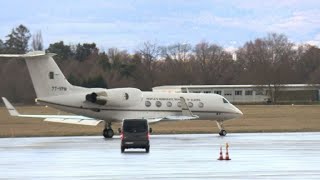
122,149
147,149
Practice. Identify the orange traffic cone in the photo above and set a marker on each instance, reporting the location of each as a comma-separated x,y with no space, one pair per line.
227,153
221,156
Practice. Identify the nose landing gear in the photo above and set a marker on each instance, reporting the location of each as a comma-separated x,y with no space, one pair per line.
220,126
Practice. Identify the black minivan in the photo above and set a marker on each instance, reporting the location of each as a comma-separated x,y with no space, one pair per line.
135,133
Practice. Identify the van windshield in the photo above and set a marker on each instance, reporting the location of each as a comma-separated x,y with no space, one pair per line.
135,126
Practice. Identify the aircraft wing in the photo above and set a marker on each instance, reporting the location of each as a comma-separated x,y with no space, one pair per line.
69,119
186,114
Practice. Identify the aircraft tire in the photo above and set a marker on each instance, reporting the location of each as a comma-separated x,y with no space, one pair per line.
223,133
108,133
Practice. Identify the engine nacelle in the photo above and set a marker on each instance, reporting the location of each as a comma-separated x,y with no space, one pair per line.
119,97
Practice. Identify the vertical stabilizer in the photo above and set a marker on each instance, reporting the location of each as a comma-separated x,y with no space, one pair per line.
46,76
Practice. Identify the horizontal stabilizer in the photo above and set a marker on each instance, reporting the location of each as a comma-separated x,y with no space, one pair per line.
69,119
75,121
28,55
10,108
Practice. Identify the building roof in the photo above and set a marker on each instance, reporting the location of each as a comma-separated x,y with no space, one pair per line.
227,86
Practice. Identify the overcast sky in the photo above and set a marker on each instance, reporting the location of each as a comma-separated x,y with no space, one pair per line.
126,24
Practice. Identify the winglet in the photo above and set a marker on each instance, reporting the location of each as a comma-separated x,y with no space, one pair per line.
185,109
11,109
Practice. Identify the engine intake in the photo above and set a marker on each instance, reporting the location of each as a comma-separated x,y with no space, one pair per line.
119,97
93,97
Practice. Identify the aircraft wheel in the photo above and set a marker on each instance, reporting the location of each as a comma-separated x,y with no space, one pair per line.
108,133
223,133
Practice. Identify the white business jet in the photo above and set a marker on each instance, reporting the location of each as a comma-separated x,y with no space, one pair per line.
96,105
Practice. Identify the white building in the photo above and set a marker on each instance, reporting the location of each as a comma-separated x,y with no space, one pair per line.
251,93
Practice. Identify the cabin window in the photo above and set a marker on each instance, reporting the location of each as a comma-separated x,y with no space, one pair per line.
207,92
200,105
158,104
248,93
228,93
196,91
259,92
190,104
217,92
169,104
225,101
238,93
179,104
184,90
51,75
148,103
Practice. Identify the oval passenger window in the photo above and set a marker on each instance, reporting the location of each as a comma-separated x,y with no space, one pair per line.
158,104
148,103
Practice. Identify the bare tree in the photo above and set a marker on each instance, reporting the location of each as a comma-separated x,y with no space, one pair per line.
308,64
37,41
176,51
149,53
214,62
268,61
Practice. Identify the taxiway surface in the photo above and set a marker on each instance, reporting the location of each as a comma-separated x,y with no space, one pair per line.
189,156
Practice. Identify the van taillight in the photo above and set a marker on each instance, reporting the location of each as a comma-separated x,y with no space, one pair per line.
121,136
148,135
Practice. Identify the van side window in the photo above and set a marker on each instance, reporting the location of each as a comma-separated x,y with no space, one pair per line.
148,103
51,75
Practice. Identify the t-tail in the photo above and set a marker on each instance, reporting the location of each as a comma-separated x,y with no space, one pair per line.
46,76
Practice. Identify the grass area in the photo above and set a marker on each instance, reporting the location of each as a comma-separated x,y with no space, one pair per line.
257,118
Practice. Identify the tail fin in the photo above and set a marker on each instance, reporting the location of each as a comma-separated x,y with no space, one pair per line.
46,76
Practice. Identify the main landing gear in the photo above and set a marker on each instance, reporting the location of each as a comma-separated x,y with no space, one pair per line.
108,132
220,126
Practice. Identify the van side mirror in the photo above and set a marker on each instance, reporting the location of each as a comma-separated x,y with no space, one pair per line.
119,130
150,130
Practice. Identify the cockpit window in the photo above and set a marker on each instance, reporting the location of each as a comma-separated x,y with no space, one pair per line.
225,101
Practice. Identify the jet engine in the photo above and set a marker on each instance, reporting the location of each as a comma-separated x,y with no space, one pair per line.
118,97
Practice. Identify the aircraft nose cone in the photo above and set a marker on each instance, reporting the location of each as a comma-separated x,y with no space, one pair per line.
238,111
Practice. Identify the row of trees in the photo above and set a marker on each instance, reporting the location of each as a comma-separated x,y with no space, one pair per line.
272,60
